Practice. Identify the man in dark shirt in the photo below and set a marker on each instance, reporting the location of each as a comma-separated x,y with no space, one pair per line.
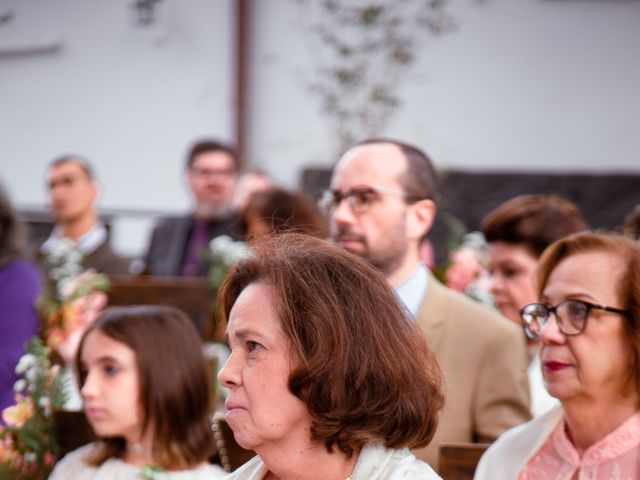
178,244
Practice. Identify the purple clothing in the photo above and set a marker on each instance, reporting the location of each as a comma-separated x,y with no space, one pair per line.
20,285
198,241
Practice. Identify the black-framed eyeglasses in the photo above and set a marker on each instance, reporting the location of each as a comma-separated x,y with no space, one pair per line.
571,316
359,198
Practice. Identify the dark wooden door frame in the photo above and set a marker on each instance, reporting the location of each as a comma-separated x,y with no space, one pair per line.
241,75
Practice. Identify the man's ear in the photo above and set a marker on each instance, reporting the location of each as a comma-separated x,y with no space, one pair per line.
420,218
97,191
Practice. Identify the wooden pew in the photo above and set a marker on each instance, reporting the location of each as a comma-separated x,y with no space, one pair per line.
72,430
191,295
458,461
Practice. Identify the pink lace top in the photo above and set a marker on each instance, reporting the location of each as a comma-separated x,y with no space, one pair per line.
615,457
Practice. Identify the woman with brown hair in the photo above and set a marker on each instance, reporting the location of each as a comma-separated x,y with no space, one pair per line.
328,378
588,319
276,210
517,232
144,382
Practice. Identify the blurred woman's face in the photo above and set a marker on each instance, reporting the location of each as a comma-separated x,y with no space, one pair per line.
511,270
111,387
594,364
261,409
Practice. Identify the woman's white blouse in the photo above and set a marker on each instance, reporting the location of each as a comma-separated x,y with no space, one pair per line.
375,462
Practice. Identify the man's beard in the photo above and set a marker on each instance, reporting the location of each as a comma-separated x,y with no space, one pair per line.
209,211
386,261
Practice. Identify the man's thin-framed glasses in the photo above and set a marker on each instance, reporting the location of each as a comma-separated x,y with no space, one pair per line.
358,198
571,316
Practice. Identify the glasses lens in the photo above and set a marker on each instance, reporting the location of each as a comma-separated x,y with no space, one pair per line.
360,200
534,317
572,315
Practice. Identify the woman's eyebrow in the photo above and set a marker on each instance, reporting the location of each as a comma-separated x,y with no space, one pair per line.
243,333
102,359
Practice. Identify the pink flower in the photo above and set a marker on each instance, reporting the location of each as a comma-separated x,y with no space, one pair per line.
18,414
49,459
70,287
78,315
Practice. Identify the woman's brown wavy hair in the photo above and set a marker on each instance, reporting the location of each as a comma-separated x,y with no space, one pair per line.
535,221
360,364
174,392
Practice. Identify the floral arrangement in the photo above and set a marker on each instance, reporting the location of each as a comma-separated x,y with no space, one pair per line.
224,252
28,446
72,298
466,271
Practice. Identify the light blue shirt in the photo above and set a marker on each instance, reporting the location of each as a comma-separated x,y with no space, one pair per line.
412,291
86,244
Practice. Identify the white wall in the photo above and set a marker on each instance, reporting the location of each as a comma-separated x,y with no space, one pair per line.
522,84
131,99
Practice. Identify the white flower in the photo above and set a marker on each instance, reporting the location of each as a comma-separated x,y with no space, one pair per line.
20,385
228,251
25,363
30,457
220,244
45,403
63,251
74,257
31,374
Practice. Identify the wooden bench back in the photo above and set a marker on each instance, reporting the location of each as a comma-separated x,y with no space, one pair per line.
191,295
458,461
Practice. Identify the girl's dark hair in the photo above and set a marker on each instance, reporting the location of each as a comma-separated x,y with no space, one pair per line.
174,389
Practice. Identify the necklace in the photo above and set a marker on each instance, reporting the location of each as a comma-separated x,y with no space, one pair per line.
137,448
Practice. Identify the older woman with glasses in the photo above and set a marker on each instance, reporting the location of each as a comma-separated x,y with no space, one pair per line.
588,319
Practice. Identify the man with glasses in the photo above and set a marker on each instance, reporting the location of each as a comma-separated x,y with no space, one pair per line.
380,205
178,243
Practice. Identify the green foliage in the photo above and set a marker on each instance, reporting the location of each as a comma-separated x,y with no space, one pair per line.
28,446
150,472
363,49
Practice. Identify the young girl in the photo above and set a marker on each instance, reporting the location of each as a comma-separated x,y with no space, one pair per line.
145,387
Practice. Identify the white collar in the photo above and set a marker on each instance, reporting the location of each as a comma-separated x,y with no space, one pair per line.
86,244
412,291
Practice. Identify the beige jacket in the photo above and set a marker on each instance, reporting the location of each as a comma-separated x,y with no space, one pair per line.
484,361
